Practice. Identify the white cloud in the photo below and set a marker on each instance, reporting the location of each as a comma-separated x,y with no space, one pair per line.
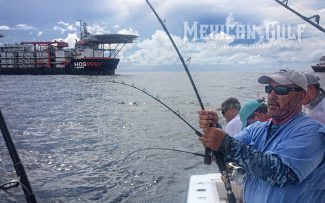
24,27
230,20
63,24
65,27
70,39
98,29
62,30
154,51
5,27
128,31
158,50
40,33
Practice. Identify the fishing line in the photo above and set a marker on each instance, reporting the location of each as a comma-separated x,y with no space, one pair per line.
160,148
169,108
162,103
158,100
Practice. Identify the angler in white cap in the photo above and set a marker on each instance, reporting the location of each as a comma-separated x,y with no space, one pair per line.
314,102
284,157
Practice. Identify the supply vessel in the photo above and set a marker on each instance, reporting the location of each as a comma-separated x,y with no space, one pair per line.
319,67
92,55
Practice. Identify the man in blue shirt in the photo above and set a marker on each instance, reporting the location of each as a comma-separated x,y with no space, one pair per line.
284,157
314,102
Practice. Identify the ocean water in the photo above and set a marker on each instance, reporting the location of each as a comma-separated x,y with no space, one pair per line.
85,139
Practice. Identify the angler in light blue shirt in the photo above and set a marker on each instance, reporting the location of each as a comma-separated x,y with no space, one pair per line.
284,157
299,144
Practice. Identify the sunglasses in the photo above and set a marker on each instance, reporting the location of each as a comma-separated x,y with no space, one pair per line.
281,90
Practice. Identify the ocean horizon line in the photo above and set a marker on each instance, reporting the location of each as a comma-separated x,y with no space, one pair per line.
180,68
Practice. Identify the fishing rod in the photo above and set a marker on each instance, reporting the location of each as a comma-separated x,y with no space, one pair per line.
316,17
208,152
19,168
155,98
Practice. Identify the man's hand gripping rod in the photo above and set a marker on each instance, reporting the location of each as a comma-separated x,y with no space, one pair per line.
208,152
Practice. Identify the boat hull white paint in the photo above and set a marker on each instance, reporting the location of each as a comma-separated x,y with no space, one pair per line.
209,188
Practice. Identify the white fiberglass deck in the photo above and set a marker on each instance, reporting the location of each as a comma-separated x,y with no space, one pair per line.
209,188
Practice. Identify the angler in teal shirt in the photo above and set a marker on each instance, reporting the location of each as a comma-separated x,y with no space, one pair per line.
284,158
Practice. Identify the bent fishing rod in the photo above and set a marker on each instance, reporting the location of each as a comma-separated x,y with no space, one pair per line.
19,168
207,158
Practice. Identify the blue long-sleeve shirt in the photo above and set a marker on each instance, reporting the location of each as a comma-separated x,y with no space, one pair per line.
285,167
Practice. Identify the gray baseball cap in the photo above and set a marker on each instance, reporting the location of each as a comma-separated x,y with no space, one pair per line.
286,77
312,79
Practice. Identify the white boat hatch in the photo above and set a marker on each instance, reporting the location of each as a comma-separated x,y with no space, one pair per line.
209,188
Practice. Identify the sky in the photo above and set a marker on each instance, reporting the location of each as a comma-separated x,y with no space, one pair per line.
210,34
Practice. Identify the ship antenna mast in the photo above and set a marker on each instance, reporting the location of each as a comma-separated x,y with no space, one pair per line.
83,29
313,20
80,29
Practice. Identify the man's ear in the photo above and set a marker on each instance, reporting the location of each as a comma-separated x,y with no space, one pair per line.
256,115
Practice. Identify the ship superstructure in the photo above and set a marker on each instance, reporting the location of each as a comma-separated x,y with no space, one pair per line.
92,55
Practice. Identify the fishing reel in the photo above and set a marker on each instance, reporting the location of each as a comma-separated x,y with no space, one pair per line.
235,173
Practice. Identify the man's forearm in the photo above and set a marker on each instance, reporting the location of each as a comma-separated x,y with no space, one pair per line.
268,167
